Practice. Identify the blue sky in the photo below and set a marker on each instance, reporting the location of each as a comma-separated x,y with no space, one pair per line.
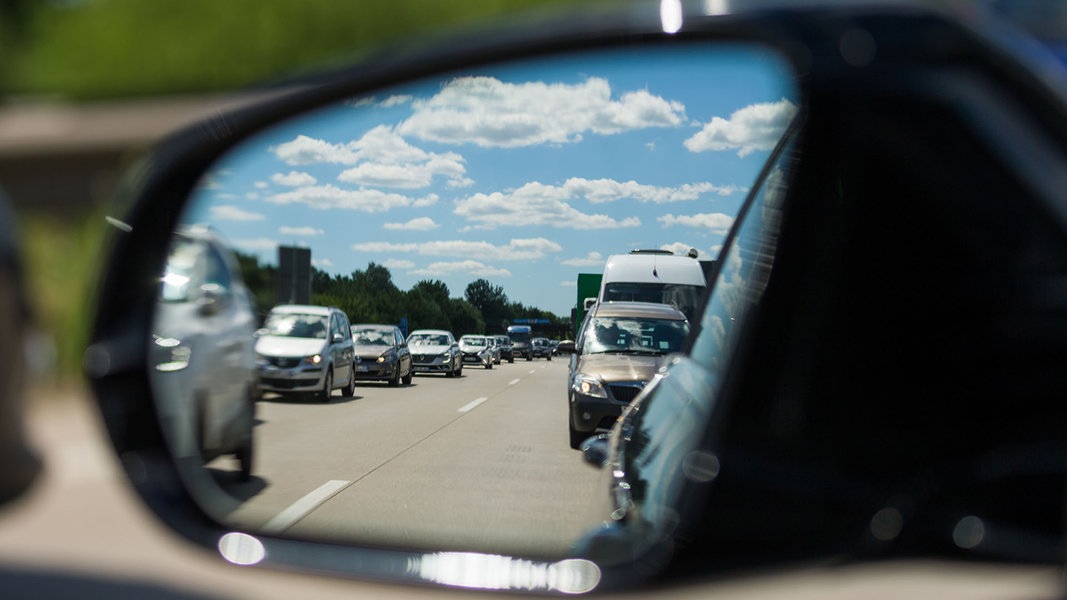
524,175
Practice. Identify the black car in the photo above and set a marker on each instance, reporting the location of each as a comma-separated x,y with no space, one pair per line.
382,354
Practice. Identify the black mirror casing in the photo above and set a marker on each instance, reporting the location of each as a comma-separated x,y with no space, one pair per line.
153,199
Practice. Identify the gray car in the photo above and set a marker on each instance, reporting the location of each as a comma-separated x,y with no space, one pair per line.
304,349
620,348
382,354
203,362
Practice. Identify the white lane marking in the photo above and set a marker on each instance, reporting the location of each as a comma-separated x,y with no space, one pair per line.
299,509
514,381
470,406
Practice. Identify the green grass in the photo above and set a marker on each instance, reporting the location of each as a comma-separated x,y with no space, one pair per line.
61,260
92,49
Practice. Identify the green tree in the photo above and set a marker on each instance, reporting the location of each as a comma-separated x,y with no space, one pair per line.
465,317
490,300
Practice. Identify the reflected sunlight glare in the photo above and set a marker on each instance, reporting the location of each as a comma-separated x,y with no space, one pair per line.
241,549
670,15
496,572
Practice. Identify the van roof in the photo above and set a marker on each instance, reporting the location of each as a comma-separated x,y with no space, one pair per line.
653,267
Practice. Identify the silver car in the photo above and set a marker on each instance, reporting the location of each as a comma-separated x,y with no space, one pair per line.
305,349
203,362
435,351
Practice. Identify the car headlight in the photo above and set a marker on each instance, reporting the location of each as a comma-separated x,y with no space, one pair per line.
174,356
589,386
383,358
314,359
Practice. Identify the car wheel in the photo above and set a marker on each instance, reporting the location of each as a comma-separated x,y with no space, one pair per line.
327,386
394,380
350,388
459,371
407,378
549,357
511,360
489,364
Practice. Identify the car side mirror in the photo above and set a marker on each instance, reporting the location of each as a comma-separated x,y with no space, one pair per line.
213,299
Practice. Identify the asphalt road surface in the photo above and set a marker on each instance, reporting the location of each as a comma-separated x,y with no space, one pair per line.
480,462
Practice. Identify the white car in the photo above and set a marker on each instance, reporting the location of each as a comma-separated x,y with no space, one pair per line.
435,351
203,362
478,350
304,349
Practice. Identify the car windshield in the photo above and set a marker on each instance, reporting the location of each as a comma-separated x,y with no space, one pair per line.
372,337
683,297
426,339
473,341
180,270
296,325
634,335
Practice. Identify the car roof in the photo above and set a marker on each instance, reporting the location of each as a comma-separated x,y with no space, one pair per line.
649,310
305,309
373,326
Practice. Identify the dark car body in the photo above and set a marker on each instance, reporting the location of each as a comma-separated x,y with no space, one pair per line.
622,345
381,354
506,352
541,348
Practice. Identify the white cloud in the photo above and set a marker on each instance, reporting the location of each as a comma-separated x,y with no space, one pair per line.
396,100
323,263
680,248
301,231
517,249
755,127
381,158
568,283
716,222
608,190
325,197
470,267
540,204
397,263
490,113
293,179
589,260
419,224
256,244
226,212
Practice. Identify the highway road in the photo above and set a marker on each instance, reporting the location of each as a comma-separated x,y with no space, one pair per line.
480,462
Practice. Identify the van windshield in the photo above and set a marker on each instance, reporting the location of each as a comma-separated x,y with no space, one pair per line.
684,297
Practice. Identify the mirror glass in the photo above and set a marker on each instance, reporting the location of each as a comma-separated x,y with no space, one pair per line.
464,203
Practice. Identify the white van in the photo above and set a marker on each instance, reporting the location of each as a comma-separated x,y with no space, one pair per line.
654,276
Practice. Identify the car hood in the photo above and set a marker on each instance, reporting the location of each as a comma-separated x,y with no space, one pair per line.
430,349
620,367
273,345
372,350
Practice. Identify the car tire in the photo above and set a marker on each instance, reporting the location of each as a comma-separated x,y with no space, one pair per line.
489,364
459,371
511,360
327,386
407,378
549,357
350,387
394,381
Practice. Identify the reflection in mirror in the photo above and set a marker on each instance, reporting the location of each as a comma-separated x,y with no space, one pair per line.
465,203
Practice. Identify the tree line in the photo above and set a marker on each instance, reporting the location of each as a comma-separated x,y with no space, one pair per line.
370,296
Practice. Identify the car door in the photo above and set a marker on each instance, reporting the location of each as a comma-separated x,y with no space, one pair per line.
403,355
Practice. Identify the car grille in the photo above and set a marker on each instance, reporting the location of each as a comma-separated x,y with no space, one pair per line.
283,362
625,392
